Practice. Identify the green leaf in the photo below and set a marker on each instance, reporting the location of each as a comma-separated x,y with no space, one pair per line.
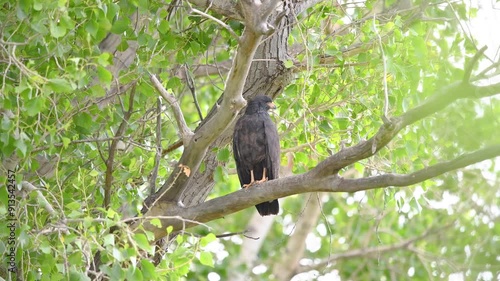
134,273
37,5
156,222
288,63
164,27
21,147
111,213
219,174
223,154
108,239
45,247
170,229
173,83
104,75
120,25
206,259
420,47
56,31
34,106
75,205
207,239
104,59
75,275
148,270
92,27
143,243
66,142
117,254
179,239
60,85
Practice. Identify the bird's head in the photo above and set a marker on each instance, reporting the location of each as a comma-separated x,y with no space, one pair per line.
260,103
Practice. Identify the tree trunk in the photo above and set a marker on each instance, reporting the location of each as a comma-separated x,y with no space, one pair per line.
285,268
241,267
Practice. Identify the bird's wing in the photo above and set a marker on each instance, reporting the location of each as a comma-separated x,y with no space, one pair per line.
239,131
272,149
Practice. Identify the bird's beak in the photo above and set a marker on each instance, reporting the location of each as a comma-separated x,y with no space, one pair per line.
271,105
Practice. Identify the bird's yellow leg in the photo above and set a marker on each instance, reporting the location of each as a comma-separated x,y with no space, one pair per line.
252,180
264,178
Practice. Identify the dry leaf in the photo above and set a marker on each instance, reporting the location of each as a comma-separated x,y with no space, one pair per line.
185,169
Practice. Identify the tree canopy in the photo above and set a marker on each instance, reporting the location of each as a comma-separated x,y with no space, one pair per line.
116,125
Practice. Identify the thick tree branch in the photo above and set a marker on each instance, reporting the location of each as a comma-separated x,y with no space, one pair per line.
307,182
256,13
388,131
352,185
232,102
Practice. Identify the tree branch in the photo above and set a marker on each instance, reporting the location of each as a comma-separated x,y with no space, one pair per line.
352,185
307,182
185,133
256,14
371,252
225,8
158,154
29,187
108,180
219,22
470,66
389,130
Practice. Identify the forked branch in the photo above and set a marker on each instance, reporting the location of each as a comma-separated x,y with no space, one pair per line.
185,132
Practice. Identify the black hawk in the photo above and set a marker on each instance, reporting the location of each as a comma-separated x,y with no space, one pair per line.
256,148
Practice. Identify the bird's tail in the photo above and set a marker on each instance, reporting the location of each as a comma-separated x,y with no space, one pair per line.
268,208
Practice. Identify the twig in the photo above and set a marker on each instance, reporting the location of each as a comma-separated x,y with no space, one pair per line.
108,181
45,147
227,27
468,67
192,89
237,233
229,235
154,174
482,74
45,203
384,61
171,148
185,132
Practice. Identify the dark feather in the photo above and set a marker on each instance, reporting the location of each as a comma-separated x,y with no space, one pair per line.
256,146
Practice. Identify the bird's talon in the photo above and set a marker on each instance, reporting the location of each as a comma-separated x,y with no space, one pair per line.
248,185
